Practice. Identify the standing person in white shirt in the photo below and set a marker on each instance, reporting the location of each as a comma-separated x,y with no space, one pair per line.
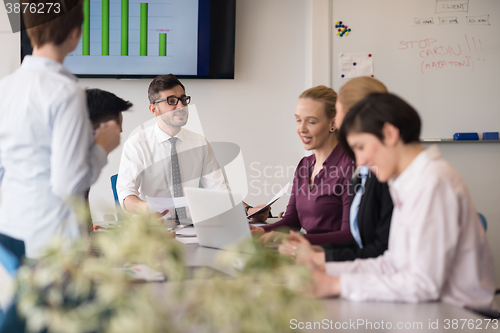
157,158
437,245
47,152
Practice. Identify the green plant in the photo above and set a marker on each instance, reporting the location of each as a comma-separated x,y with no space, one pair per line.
70,291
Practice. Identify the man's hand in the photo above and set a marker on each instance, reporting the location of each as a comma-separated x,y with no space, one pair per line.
134,205
108,136
260,217
158,216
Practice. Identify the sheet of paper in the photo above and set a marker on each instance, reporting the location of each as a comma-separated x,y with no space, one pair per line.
160,205
142,272
187,240
259,224
186,232
352,65
274,199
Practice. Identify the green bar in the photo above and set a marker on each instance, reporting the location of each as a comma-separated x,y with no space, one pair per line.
124,28
144,29
163,45
105,28
86,29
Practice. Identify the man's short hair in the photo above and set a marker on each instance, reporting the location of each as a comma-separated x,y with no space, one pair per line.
104,106
49,26
160,83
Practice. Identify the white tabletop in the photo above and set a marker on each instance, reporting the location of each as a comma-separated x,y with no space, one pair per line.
343,315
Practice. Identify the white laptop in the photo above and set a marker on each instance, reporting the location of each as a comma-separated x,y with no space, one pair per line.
218,217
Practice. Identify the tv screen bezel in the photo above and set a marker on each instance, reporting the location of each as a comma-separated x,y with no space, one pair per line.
222,35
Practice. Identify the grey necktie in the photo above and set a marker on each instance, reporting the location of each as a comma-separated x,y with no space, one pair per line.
176,177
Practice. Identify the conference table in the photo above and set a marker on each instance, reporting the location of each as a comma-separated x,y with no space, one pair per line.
344,315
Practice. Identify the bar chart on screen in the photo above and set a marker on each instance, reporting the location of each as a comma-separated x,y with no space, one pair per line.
141,36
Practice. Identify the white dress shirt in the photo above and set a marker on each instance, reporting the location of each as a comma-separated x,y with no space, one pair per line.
437,245
145,168
47,154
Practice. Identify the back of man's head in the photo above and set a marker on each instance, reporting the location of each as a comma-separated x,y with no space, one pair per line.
160,83
104,106
51,22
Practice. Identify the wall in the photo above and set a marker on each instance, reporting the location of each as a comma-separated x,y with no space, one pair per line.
468,56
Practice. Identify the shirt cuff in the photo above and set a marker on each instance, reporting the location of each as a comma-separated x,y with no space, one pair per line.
344,286
125,193
337,268
362,288
100,154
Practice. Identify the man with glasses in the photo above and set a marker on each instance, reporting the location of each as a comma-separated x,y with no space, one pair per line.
160,160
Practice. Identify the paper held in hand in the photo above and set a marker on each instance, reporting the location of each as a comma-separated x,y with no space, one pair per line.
159,205
273,200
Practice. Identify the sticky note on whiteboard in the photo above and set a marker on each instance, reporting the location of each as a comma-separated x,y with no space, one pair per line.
355,64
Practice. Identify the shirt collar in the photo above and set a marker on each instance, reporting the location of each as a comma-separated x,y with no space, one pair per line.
404,184
38,62
162,136
361,171
332,159
364,170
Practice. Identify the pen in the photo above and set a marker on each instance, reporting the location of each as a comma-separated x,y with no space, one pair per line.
107,227
179,227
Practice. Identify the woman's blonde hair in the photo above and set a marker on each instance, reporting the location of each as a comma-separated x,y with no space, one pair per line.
325,95
357,89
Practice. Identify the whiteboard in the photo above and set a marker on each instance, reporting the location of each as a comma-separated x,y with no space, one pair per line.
442,56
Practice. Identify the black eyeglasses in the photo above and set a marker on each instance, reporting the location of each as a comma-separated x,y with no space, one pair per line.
173,100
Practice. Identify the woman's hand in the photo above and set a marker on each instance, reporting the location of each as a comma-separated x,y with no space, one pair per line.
256,231
298,247
272,237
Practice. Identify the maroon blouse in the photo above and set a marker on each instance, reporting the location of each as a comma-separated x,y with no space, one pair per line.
322,211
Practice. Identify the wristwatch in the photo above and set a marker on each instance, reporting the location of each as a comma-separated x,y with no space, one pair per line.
247,208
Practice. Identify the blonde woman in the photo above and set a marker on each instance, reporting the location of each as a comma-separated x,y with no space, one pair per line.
371,204
319,202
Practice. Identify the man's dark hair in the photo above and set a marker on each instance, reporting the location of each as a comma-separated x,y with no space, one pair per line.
104,106
160,83
45,26
370,114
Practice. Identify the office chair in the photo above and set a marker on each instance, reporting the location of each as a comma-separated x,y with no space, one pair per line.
119,210
485,225
483,221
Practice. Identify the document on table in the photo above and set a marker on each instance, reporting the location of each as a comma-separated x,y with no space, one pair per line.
273,200
187,240
142,273
186,232
259,224
159,205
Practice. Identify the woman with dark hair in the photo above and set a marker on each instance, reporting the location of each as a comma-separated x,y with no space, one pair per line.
437,245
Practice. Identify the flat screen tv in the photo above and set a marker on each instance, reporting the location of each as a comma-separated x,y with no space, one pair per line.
146,38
